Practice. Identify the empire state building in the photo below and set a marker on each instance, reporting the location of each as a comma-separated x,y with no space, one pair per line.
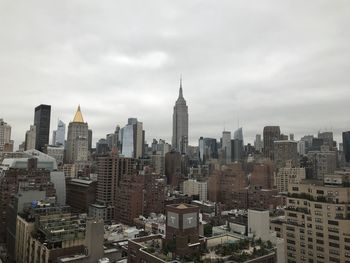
180,124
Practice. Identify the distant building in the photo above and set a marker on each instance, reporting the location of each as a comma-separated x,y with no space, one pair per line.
173,168
30,138
102,146
346,145
180,124
196,188
5,134
77,140
226,147
58,136
286,175
270,134
323,163
208,149
133,139
258,143
56,152
301,147
42,123
285,151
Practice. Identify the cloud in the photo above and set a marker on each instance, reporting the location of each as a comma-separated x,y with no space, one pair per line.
271,62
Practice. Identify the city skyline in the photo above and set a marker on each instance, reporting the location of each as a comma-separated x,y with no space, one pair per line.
118,62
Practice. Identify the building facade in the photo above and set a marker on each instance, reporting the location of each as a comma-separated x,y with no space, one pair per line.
270,134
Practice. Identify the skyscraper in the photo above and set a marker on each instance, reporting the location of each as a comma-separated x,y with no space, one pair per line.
5,134
180,123
77,139
346,145
226,146
133,139
30,138
271,134
258,144
42,123
58,135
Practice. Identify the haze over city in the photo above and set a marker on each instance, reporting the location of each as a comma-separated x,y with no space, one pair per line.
259,62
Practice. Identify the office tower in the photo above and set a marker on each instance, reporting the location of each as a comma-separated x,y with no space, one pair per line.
301,147
327,138
208,149
195,189
323,163
238,134
42,123
30,138
346,145
237,150
308,142
89,140
270,134
180,124
317,226
110,170
113,139
102,146
133,139
77,139
5,134
285,151
237,145
226,146
58,136
258,143
291,137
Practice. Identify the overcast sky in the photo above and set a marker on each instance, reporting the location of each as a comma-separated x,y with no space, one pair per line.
260,62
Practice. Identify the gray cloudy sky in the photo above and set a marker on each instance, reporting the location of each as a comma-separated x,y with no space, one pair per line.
276,62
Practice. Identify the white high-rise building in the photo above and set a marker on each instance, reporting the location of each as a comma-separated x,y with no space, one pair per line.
58,135
30,138
180,124
5,134
194,187
77,139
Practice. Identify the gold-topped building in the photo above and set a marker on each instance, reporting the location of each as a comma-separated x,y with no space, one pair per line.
77,139
78,117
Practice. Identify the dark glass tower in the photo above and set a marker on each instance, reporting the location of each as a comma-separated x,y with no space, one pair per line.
42,123
346,145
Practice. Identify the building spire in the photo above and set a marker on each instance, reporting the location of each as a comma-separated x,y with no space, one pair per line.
180,91
78,117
